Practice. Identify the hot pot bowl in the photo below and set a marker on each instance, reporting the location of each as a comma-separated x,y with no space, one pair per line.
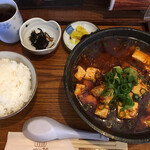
87,47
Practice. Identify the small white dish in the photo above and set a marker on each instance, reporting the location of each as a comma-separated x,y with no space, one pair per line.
90,28
51,27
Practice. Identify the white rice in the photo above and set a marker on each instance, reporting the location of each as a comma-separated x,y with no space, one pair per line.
15,86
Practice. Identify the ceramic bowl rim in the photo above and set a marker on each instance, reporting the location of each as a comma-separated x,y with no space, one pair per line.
40,19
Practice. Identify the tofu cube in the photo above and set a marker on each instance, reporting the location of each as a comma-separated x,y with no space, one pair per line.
141,56
98,90
138,88
80,73
102,112
90,73
128,113
107,99
79,89
147,68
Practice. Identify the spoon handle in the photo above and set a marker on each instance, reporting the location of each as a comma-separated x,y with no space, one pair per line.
91,136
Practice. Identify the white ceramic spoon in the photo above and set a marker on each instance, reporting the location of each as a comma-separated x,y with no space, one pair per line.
46,129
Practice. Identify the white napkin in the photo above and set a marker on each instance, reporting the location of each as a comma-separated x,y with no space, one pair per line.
17,141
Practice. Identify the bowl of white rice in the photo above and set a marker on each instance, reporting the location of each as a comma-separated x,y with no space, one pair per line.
18,83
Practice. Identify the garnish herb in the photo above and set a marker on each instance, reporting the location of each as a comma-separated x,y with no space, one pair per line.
121,81
143,91
136,97
112,103
142,77
106,92
101,106
137,48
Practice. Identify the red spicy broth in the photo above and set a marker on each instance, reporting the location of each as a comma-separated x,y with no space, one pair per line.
105,54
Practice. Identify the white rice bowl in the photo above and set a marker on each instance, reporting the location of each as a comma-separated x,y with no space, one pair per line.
16,85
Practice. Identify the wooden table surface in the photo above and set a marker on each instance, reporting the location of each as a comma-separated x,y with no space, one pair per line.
50,98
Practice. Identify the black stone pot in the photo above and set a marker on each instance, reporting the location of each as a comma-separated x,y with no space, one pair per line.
69,88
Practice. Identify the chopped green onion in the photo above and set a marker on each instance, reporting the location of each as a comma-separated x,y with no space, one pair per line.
112,104
126,107
101,106
142,77
121,81
137,48
136,97
109,77
125,88
112,93
105,92
118,69
143,91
